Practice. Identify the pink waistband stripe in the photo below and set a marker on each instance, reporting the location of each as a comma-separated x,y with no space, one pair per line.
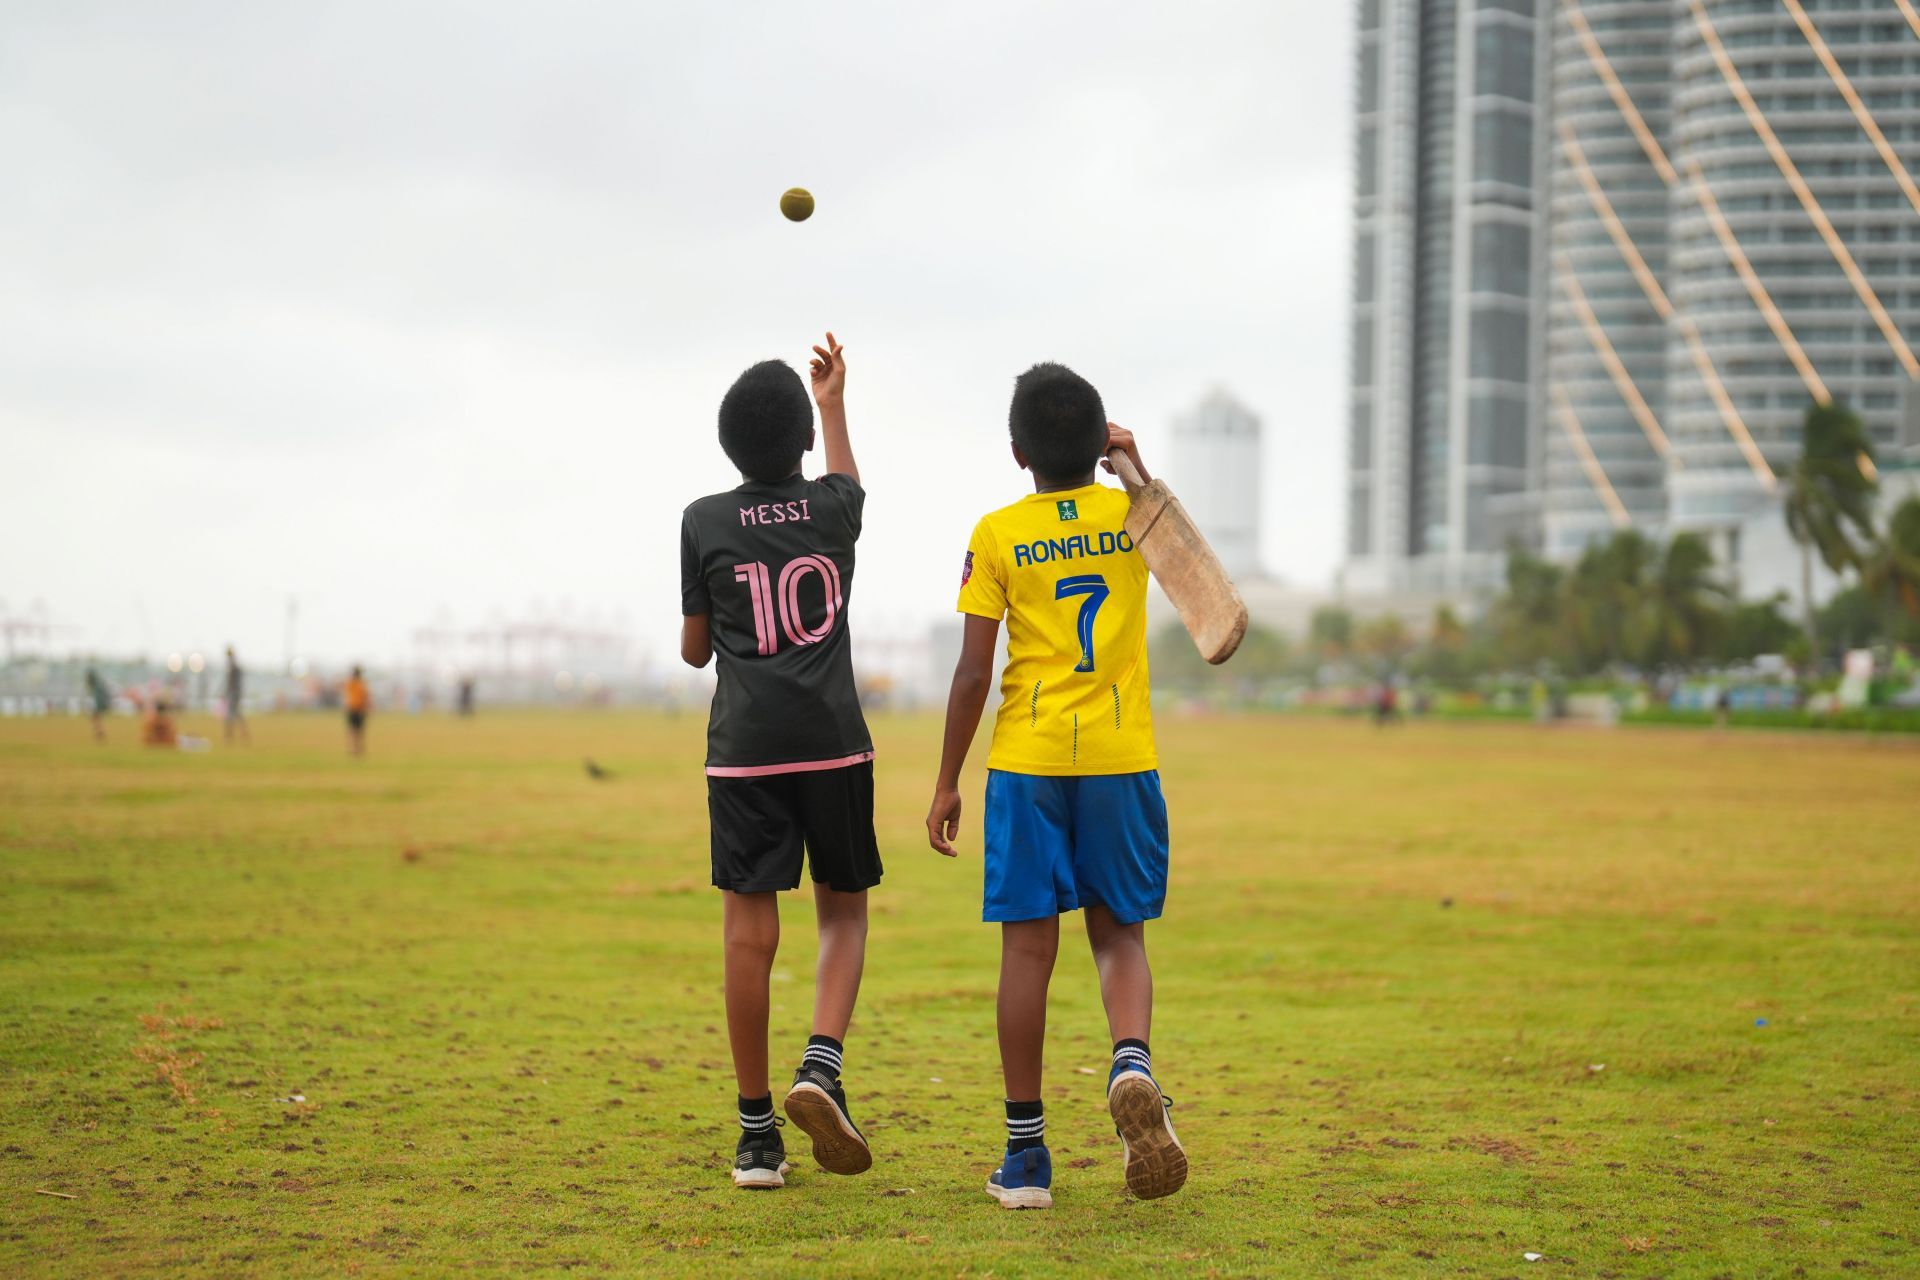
799,766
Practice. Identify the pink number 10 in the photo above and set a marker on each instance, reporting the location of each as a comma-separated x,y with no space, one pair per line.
785,597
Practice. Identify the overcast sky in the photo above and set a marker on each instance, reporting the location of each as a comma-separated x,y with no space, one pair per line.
407,310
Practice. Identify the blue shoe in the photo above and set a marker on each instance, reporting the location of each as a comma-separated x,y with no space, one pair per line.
1023,1179
1122,1068
1156,1162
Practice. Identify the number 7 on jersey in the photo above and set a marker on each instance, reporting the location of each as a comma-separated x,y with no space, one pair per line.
1094,588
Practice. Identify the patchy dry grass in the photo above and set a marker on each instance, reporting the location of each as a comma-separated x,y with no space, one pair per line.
1429,1000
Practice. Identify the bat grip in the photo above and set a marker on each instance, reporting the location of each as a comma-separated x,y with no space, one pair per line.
1123,467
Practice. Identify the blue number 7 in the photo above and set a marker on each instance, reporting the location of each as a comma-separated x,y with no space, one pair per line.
1094,588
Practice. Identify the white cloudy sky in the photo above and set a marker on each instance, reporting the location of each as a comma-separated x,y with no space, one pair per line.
411,309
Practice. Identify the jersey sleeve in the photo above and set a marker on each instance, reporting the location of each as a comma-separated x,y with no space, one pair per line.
694,597
983,580
853,499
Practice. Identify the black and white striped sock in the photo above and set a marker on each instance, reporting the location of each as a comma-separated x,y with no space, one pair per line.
1132,1055
1026,1125
756,1114
822,1055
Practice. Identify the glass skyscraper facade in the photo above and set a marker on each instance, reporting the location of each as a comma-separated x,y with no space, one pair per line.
1445,275
1606,255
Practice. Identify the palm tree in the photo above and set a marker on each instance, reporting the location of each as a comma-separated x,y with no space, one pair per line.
1529,616
1603,596
1330,633
1681,604
1829,498
1444,657
1891,571
1387,639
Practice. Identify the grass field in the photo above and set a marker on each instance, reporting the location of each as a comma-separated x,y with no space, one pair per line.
1429,999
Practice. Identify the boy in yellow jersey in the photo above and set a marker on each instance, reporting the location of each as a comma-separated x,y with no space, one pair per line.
1074,816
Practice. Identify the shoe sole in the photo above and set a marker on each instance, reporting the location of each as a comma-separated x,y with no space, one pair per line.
837,1145
1156,1162
761,1179
1021,1197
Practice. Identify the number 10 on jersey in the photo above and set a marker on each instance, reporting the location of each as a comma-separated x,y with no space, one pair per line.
784,597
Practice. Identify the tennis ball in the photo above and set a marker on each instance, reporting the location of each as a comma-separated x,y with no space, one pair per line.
797,204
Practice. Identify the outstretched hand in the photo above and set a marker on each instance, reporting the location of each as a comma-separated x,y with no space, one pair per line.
828,369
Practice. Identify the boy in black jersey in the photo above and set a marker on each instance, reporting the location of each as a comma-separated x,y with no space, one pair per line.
766,576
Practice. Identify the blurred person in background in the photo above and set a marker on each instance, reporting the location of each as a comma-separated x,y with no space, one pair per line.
101,699
157,728
235,689
359,704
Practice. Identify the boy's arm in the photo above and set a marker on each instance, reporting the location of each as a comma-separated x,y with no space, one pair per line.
972,677
696,639
829,372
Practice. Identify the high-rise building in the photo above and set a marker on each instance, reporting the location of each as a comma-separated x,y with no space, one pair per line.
1729,229
1606,340
1216,466
1444,350
1777,165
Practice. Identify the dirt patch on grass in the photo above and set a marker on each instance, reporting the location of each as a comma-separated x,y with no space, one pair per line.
1505,1150
167,1050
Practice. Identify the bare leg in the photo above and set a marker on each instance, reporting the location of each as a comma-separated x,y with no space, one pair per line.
843,954
1027,950
1126,982
752,926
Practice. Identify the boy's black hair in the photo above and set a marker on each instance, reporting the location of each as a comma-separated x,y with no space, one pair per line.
766,421
1057,422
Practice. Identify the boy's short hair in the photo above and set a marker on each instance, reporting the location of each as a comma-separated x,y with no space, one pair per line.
1057,422
766,421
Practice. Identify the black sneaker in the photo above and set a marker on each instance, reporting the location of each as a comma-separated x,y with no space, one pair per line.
818,1105
760,1161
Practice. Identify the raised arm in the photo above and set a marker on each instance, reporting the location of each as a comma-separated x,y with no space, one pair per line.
829,371
972,678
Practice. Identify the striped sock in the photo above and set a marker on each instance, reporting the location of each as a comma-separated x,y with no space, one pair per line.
1026,1125
756,1114
1132,1055
822,1055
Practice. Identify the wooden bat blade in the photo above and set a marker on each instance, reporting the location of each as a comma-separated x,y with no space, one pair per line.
1187,569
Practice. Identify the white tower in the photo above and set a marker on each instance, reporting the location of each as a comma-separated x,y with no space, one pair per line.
1216,471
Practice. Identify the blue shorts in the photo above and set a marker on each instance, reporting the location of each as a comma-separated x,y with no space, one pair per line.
1059,844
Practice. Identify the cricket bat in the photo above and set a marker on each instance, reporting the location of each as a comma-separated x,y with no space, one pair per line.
1183,564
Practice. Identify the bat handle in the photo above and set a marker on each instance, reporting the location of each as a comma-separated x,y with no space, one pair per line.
1123,467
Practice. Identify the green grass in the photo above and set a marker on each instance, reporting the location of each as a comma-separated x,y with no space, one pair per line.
497,984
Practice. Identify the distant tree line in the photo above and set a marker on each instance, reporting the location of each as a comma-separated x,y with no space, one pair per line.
1637,602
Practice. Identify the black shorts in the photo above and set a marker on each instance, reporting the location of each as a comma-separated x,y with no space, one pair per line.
761,824
356,719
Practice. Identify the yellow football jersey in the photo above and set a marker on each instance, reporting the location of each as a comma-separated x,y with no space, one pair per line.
1063,573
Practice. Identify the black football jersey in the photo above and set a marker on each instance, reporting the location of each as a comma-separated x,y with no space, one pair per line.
772,566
